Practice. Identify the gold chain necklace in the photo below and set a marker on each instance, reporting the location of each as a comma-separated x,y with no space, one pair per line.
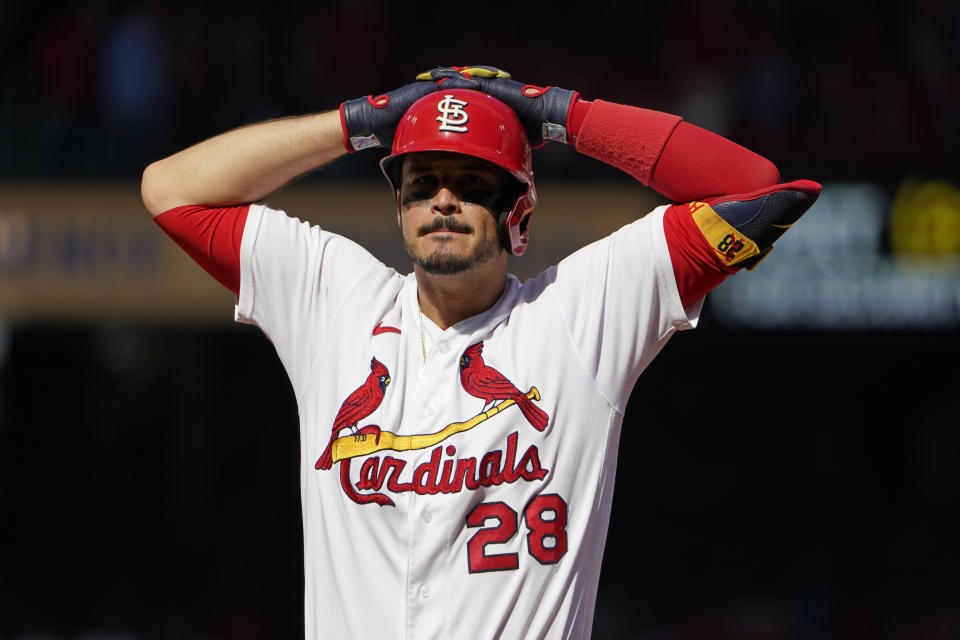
423,344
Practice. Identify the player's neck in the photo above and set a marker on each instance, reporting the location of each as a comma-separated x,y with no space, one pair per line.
448,299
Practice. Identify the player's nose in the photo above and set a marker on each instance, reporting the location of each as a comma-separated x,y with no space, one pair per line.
445,201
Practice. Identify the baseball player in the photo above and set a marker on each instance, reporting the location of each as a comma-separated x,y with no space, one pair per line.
459,427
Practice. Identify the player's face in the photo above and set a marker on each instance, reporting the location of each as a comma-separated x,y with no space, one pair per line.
448,205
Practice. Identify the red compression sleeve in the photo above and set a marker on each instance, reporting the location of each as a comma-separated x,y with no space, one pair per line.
628,138
211,236
695,265
697,163
677,159
681,161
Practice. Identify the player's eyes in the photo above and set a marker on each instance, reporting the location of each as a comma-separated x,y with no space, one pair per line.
477,188
482,197
473,179
420,188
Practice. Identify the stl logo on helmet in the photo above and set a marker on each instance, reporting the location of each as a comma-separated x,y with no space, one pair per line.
452,116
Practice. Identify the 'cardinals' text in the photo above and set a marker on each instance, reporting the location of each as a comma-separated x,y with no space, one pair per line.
441,474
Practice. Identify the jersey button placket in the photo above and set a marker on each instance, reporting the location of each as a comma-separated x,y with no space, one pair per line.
428,542
421,622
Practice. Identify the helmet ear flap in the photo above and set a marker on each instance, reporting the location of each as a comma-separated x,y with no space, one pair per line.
503,232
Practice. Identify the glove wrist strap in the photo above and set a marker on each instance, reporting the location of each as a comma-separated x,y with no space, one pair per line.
557,106
355,116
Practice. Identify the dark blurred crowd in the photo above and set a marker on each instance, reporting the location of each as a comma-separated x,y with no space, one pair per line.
830,90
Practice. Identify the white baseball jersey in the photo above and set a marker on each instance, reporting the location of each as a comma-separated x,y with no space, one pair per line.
471,469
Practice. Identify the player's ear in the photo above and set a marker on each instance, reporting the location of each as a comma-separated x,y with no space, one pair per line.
398,209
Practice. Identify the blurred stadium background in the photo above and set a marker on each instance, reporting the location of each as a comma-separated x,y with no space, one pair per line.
789,470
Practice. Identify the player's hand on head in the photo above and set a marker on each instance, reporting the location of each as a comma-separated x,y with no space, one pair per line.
542,110
370,121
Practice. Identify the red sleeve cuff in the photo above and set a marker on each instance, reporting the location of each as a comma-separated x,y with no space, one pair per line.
695,266
211,236
577,115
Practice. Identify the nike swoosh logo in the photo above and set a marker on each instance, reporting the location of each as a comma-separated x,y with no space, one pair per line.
377,330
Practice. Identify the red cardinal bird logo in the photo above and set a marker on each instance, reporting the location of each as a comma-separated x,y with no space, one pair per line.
489,384
358,405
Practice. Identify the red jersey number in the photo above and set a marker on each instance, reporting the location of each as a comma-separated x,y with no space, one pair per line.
546,521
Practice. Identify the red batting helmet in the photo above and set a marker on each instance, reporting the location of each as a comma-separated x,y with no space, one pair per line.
474,124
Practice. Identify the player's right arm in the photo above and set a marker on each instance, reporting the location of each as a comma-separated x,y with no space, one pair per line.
199,196
249,163
243,165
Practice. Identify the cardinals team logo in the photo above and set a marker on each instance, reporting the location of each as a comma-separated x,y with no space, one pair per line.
485,382
452,116
477,379
358,405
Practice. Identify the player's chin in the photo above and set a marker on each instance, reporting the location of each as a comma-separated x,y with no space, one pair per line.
444,261
448,253
443,264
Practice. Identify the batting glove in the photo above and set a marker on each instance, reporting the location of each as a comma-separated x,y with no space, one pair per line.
371,121
543,111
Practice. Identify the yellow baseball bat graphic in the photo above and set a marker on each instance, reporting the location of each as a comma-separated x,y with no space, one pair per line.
364,444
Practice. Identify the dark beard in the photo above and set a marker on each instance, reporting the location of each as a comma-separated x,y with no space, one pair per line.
442,263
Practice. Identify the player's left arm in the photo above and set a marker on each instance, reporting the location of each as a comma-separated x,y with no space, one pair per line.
746,209
734,205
